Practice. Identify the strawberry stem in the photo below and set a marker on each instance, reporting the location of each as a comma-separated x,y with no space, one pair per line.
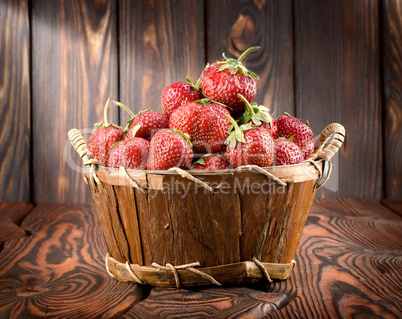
235,65
185,135
124,108
196,85
105,122
248,105
251,49
237,135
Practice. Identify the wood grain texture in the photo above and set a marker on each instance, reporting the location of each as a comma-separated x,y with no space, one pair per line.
337,80
74,71
394,205
180,228
392,108
11,216
237,302
348,263
15,101
233,26
161,42
59,270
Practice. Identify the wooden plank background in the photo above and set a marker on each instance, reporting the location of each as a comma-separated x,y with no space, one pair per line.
323,61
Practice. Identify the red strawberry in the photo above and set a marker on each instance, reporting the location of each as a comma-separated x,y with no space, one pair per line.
145,124
169,148
179,93
287,152
103,137
205,123
303,136
258,115
131,153
271,126
211,162
250,146
211,128
224,79
185,117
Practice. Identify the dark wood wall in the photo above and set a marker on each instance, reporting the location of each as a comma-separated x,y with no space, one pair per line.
325,61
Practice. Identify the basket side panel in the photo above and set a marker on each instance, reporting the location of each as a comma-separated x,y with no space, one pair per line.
116,224
206,227
260,219
297,218
155,226
128,214
181,227
287,222
102,210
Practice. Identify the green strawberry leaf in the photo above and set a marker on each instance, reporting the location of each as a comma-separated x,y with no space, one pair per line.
256,113
235,65
98,125
114,144
201,160
196,85
236,133
204,101
185,135
130,121
135,130
128,124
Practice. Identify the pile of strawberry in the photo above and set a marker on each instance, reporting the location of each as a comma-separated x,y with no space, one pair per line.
210,124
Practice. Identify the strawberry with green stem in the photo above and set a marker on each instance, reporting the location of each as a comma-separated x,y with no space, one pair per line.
211,128
205,122
179,93
169,148
224,79
211,162
145,124
258,115
248,145
104,136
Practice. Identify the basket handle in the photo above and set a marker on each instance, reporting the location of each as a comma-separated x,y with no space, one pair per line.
338,132
78,142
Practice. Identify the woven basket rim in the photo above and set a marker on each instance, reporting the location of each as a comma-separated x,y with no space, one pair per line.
166,179
229,171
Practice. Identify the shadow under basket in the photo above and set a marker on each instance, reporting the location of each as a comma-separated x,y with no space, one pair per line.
176,228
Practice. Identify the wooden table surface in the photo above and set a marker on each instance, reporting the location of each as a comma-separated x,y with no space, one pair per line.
349,265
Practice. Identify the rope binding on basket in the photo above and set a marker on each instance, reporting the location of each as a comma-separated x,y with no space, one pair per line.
190,267
263,269
264,172
131,181
190,177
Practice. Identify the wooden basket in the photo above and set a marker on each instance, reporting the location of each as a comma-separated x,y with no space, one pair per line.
177,228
